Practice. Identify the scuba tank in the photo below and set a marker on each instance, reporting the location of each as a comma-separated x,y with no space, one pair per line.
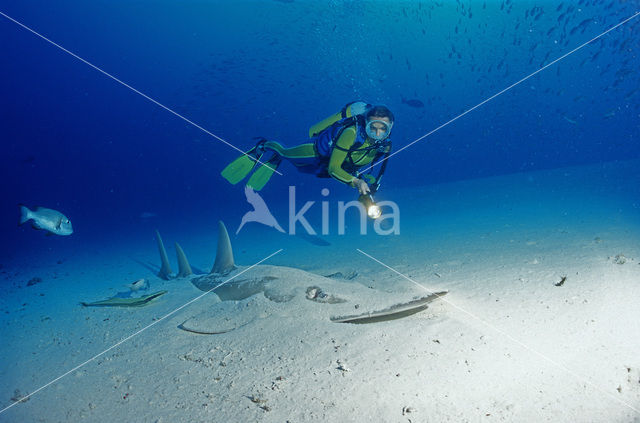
356,108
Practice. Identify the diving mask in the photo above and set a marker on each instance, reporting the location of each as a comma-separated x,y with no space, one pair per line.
378,129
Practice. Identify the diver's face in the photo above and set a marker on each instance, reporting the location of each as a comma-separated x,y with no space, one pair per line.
378,130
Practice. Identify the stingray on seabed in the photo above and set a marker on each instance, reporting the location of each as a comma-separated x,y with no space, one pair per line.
244,294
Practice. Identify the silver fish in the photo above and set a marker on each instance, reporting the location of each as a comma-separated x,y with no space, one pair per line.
139,285
46,219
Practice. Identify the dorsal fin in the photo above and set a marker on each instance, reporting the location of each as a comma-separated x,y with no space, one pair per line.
224,257
184,269
165,269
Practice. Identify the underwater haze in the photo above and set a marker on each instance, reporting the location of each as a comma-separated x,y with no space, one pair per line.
121,115
79,142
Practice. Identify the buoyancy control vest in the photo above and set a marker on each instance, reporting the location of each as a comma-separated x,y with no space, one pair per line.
325,135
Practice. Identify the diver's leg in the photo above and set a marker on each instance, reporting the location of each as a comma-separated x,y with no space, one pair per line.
302,156
301,151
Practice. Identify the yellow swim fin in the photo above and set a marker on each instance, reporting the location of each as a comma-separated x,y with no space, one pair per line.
261,176
238,169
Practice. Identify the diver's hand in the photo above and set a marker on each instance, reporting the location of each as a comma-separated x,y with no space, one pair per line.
361,185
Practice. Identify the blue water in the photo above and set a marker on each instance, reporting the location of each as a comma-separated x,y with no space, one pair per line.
77,141
120,166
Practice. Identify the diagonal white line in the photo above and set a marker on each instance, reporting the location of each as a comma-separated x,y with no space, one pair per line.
577,376
499,93
136,333
133,89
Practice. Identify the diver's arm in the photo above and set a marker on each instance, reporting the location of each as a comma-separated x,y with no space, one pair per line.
339,155
361,185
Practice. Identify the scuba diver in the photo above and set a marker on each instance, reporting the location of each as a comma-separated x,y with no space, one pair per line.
340,146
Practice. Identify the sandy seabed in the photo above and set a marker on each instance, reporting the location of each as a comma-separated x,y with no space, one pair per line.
509,342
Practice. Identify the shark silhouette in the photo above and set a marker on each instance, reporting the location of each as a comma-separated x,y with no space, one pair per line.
260,212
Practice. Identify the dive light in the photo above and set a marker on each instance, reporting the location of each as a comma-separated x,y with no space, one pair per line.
373,210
